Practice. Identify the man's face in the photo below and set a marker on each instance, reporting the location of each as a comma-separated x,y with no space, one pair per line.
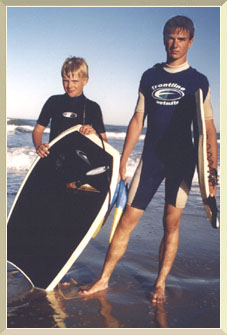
177,44
73,84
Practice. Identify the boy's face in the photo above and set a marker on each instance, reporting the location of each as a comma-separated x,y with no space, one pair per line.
73,84
177,44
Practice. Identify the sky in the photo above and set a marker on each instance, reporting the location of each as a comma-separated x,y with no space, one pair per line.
118,43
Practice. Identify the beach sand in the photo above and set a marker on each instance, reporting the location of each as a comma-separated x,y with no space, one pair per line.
193,297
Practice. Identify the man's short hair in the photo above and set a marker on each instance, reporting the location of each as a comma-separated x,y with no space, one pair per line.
182,22
73,64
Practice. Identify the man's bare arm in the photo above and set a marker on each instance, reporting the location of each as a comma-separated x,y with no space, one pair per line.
134,130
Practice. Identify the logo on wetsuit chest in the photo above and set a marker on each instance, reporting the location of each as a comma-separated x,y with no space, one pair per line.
70,115
167,94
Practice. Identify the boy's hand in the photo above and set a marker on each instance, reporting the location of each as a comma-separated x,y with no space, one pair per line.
42,150
87,130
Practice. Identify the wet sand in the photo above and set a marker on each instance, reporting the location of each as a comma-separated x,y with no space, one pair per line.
193,297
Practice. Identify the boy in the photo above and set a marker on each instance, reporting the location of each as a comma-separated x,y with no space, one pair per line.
69,109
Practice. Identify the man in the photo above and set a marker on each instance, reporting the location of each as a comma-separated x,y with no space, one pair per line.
69,109
166,97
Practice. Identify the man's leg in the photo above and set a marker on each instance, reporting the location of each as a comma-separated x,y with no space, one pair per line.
168,249
116,250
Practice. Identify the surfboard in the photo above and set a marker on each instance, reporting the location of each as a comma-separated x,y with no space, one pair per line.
60,205
202,166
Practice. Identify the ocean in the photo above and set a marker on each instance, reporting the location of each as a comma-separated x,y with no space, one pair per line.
193,286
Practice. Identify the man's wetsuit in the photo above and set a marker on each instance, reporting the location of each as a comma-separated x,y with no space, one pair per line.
169,104
65,112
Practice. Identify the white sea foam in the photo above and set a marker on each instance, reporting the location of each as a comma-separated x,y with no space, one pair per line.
120,135
133,163
13,129
20,159
131,166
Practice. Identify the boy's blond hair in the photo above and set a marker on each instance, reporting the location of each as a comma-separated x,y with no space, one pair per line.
73,64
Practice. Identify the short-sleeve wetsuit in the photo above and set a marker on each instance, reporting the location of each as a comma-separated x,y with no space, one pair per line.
169,152
65,112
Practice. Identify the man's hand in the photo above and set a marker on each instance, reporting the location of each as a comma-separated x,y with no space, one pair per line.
122,173
212,154
213,182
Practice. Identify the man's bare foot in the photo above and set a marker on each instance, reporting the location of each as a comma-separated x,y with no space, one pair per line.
97,286
159,295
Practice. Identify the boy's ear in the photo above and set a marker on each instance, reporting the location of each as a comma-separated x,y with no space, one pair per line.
85,81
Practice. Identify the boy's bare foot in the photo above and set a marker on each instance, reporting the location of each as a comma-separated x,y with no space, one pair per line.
65,284
159,295
97,286
66,281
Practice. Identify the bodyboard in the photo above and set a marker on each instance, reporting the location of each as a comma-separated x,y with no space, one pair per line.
202,166
50,222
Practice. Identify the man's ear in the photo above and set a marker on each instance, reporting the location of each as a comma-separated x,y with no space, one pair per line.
191,42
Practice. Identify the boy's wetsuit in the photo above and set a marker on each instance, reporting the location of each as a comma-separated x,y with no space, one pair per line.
65,112
168,152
